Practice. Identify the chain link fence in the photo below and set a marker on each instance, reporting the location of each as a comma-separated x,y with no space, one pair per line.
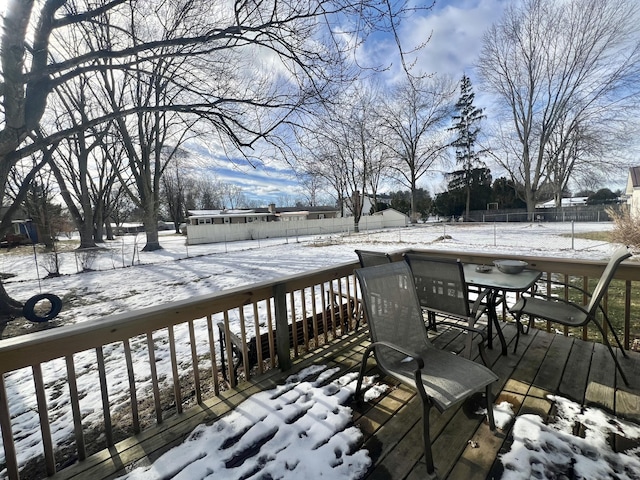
529,236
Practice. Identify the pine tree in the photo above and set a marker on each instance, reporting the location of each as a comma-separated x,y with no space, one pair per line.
466,125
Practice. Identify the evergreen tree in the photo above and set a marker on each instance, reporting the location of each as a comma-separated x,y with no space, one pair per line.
466,126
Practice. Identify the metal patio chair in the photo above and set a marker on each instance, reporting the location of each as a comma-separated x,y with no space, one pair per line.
369,258
443,291
402,348
565,312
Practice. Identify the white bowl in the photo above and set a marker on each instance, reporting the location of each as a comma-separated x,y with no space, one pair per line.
510,266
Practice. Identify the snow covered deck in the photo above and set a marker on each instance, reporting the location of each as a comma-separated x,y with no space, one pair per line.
464,447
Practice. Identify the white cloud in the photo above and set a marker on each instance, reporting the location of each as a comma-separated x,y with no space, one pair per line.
456,31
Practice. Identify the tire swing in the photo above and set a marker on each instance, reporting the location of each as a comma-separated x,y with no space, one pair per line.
30,305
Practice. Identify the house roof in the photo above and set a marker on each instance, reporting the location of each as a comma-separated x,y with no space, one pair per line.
566,202
260,212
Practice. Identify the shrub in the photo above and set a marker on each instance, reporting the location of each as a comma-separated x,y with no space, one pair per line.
626,230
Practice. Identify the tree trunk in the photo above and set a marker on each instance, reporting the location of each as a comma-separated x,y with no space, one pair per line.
9,308
153,243
413,214
531,205
98,222
151,229
467,206
85,230
109,229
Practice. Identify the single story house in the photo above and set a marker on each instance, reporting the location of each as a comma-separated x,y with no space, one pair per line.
209,226
565,202
269,214
633,192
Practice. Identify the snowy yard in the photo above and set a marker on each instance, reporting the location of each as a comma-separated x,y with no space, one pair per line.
178,272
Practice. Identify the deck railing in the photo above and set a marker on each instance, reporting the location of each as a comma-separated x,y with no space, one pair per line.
142,347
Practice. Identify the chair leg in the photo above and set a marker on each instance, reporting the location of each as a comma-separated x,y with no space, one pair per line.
613,331
363,367
518,328
431,316
428,456
489,395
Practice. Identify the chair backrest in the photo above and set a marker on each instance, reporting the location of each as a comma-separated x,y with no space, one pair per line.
392,310
440,284
598,293
370,258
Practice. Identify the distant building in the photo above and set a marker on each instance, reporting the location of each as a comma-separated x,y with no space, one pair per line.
633,192
270,214
367,203
566,202
208,226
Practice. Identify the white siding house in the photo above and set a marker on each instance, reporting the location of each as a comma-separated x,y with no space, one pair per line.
633,192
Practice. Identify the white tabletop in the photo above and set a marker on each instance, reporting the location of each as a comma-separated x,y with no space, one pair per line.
514,282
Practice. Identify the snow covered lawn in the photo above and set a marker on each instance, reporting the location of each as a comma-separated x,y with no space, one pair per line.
179,272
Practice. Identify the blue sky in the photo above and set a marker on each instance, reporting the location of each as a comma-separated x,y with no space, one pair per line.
456,29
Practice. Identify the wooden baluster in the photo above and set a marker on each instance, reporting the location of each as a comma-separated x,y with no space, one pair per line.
294,324
75,408
314,312
212,355
102,375
11,460
272,348
154,377
332,308
174,369
133,397
342,317
45,428
256,326
194,362
245,348
233,381
627,315
305,323
325,320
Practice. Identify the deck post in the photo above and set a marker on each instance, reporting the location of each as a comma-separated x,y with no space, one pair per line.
283,346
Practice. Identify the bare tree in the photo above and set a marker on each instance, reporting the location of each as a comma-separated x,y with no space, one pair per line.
312,184
84,163
232,196
176,183
36,57
413,121
344,147
556,67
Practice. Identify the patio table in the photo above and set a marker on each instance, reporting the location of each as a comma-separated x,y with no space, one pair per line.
495,281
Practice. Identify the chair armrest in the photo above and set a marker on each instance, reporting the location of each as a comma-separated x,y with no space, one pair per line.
478,302
483,338
398,349
563,284
524,299
414,356
465,327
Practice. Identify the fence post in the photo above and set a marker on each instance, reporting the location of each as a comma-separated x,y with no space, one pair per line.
573,234
283,347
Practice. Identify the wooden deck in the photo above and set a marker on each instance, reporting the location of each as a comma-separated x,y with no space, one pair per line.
545,364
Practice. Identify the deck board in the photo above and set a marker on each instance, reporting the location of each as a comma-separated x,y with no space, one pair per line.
391,424
574,382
